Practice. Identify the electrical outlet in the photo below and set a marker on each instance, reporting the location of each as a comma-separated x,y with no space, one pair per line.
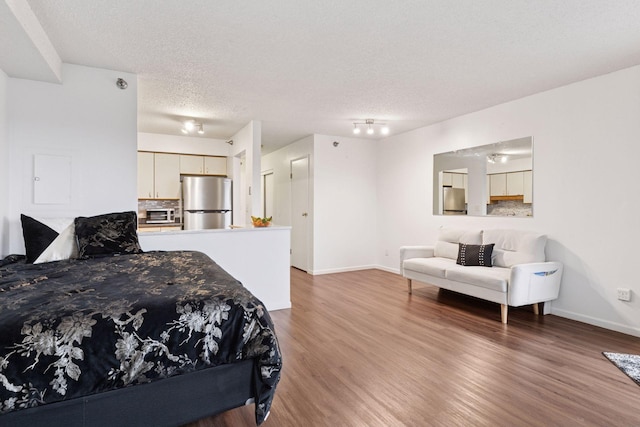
624,294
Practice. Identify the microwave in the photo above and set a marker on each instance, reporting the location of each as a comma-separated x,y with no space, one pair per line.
161,216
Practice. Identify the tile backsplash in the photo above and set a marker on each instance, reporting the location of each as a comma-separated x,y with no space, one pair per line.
510,208
145,204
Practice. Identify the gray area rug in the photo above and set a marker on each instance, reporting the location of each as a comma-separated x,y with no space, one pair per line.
627,363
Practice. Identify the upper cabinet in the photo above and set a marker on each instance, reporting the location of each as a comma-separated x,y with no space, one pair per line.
203,165
158,176
167,176
159,173
512,184
528,187
145,175
191,164
215,165
515,183
498,184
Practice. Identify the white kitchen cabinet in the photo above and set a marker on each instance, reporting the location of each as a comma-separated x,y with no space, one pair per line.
488,189
457,180
528,186
191,164
215,165
498,184
515,183
145,175
453,179
203,165
466,186
167,176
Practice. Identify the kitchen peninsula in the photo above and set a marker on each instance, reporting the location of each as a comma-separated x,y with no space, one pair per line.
257,257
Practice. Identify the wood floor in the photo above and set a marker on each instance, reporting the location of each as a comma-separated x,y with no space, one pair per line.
359,351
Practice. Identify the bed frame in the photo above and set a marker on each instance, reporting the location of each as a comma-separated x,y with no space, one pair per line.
168,402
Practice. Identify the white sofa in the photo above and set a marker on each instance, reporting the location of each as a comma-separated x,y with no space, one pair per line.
519,275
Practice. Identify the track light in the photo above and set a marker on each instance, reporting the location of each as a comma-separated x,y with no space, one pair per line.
370,126
190,126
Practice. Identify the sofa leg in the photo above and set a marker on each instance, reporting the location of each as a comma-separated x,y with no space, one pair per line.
504,310
536,309
409,286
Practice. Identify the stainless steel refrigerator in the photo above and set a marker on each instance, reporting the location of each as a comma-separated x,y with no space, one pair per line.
206,202
454,201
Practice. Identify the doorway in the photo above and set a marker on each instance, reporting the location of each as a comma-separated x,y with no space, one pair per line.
267,194
300,213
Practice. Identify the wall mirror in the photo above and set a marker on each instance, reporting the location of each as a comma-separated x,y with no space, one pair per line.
494,179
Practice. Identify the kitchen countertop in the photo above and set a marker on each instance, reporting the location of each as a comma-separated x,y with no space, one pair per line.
234,229
163,224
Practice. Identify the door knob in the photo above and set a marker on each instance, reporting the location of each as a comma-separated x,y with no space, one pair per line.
304,214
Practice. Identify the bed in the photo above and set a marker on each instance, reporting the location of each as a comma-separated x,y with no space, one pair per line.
130,338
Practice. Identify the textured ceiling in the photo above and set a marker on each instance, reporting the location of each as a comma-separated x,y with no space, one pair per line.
303,66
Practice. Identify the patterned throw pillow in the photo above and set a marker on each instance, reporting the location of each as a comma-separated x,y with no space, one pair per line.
48,239
476,255
108,234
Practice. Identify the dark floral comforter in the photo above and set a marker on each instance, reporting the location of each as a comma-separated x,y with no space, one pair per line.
78,327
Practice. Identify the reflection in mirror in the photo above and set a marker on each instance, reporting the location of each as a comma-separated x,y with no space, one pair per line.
494,179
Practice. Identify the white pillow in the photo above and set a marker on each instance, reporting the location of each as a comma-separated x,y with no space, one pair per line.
63,247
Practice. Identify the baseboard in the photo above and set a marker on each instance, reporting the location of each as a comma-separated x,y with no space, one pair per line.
613,326
276,305
341,270
388,269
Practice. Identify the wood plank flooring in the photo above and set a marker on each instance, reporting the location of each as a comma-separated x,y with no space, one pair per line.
359,351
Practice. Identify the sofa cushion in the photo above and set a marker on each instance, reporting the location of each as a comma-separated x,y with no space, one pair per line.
448,239
436,267
494,278
474,255
515,246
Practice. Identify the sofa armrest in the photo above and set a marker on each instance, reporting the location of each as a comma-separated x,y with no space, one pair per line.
534,282
407,252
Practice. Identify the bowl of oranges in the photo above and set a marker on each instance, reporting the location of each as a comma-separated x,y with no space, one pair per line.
260,222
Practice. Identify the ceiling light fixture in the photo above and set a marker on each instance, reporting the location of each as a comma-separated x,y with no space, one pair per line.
370,126
191,126
493,158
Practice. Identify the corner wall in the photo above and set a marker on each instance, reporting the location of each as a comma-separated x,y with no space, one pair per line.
585,173
344,204
86,118
245,172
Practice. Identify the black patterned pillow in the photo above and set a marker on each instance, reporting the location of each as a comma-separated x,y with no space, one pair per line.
108,234
476,255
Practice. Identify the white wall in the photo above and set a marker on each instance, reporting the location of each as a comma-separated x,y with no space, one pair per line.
87,118
182,144
585,172
345,204
343,199
246,179
4,167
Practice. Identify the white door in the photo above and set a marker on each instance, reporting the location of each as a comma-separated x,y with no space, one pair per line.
300,215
